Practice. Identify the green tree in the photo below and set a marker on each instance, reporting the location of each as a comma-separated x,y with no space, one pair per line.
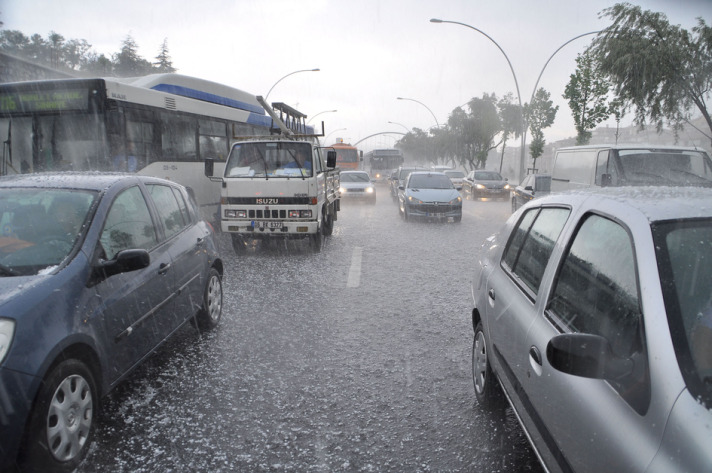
163,60
128,63
482,126
662,71
511,117
539,114
587,93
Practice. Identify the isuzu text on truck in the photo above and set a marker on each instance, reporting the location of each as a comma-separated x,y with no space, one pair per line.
279,187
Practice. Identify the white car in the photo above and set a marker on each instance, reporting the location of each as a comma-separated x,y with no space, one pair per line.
357,186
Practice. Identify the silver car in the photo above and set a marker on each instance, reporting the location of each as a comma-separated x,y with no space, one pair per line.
429,196
357,186
593,314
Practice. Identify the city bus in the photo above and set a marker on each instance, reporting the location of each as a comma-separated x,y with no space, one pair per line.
347,157
162,125
381,161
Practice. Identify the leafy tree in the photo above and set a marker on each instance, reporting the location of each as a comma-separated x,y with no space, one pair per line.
539,114
587,93
128,63
482,126
511,117
56,43
662,71
163,60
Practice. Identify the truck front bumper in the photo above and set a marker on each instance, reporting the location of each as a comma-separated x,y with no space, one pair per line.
270,229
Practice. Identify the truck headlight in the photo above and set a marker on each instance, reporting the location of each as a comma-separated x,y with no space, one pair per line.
7,332
235,213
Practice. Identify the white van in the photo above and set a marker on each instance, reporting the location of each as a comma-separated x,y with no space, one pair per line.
630,165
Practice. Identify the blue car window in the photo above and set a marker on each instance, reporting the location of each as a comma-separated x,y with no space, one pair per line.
168,209
128,224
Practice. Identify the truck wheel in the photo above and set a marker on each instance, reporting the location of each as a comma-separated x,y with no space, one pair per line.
317,241
327,223
238,244
61,424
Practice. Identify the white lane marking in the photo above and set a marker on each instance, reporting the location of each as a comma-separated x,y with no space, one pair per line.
354,279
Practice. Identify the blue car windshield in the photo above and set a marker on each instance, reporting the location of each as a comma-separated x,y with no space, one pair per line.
39,227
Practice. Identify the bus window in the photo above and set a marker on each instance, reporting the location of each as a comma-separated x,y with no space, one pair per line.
213,140
178,138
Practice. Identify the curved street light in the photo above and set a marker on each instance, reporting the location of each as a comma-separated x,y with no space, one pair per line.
536,84
316,115
421,103
522,156
281,79
396,123
331,133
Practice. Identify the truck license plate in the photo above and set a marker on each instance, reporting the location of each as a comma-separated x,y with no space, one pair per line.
261,224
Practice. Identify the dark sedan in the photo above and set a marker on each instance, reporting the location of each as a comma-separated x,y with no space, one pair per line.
534,185
96,271
480,184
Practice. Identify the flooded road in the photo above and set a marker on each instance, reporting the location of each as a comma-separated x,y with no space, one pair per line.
357,358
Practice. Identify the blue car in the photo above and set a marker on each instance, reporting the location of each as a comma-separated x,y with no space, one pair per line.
96,271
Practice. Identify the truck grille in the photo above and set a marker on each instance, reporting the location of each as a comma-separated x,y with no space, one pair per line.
274,213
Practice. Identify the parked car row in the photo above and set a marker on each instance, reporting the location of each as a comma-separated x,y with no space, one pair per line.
96,272
592,312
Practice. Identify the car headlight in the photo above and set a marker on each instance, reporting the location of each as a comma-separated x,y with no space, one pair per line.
480,186
456,200
507,187
342,190
370,190
7,332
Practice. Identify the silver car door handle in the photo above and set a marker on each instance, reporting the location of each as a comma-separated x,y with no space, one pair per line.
491,294
163,269
535,354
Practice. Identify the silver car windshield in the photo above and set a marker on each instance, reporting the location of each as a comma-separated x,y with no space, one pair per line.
684,256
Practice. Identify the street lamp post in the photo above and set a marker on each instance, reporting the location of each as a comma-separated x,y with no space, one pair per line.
522,157
295,72
396,123
421,103
331,133
316,115
524,127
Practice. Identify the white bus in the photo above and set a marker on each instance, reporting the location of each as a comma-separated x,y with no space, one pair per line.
162,125
380,162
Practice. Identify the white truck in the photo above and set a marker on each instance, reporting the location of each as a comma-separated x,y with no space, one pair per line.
282,186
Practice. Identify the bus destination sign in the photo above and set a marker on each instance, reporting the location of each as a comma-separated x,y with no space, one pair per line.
47,101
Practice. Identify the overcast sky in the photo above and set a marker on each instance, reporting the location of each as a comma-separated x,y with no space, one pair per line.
369,51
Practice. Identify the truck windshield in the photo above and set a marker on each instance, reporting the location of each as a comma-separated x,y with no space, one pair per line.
666,167
269,159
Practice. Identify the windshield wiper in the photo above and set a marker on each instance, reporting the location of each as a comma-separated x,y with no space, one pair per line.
8,271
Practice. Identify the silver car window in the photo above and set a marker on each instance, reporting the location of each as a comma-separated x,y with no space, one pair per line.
596,292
